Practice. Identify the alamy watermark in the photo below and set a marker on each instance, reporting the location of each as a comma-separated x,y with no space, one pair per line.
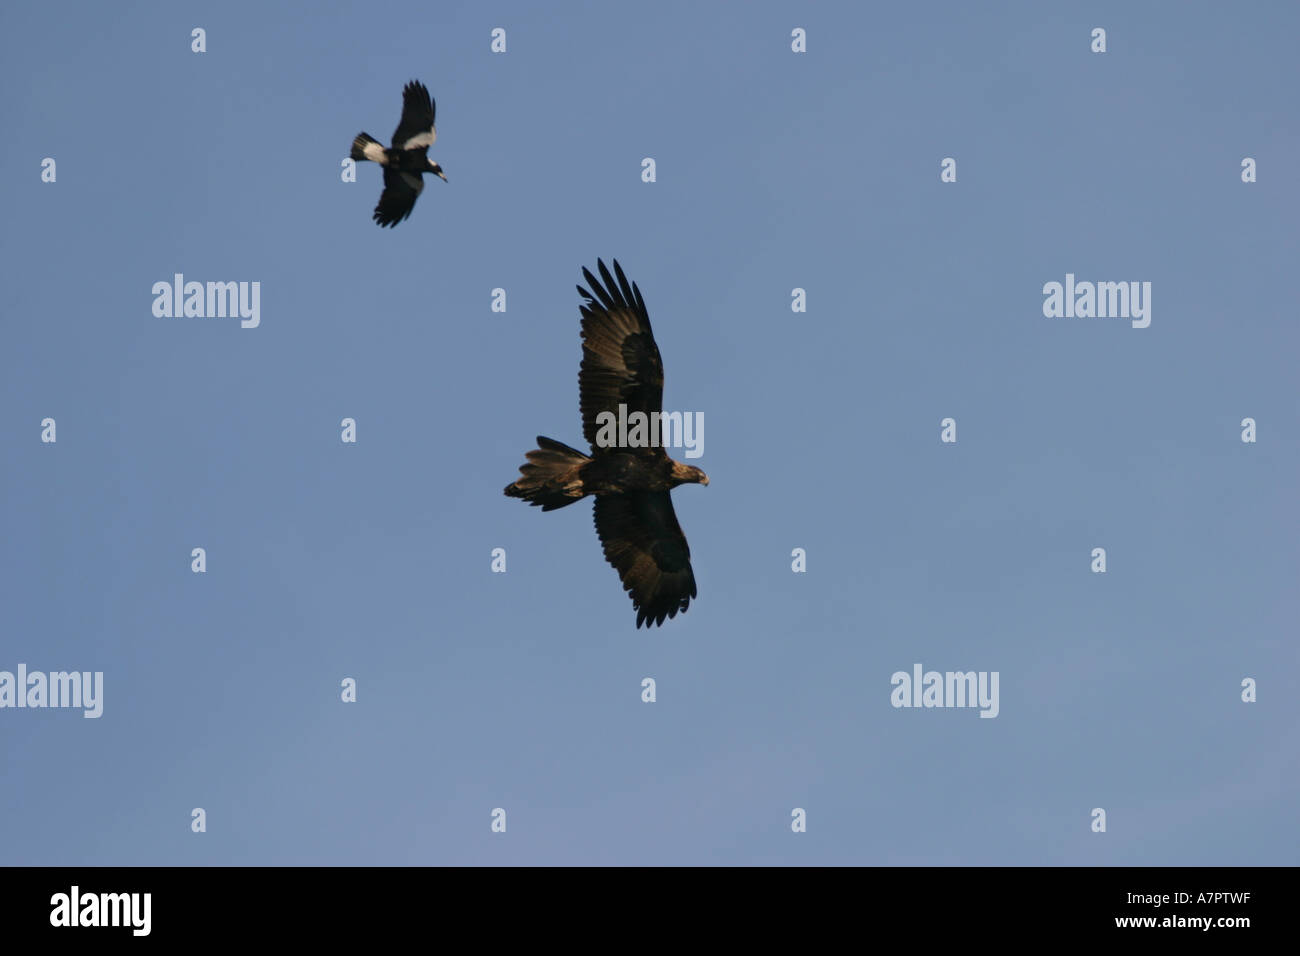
82,689
1102,300
948,689
76,908
651,430
213,300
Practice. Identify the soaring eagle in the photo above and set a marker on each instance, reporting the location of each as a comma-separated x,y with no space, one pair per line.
634,512
407,162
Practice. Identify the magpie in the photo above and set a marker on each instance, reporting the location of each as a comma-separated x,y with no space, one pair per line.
408,160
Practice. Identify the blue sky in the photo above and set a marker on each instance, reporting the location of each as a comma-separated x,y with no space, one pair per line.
522,690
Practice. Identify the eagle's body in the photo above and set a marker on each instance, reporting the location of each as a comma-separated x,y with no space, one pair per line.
406,162
634,511
610,472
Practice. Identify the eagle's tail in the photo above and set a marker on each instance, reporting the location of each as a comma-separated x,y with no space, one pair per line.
366,146
552,478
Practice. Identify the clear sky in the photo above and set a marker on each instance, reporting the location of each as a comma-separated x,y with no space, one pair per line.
775,170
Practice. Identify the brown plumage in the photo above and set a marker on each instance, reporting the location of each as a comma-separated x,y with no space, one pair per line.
634,511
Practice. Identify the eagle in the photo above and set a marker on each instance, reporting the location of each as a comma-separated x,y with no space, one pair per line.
634,515
408,160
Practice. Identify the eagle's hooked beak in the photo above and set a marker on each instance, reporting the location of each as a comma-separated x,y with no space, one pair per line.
704,479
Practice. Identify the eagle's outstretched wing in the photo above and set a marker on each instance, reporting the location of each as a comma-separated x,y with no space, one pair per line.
643,541
620,360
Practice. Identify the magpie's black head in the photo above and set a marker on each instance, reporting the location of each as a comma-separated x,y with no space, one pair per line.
437,170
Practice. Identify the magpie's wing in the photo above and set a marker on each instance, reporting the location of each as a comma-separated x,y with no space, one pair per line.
415,131
401,190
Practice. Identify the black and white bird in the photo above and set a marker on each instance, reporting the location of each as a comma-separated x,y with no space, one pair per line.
408,160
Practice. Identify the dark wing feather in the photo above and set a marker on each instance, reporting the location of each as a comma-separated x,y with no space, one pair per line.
620,360
415,131
643,541
398,198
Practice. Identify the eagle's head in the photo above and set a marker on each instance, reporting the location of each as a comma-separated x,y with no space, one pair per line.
688,474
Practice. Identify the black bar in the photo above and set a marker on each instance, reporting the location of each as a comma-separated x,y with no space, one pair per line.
656,905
